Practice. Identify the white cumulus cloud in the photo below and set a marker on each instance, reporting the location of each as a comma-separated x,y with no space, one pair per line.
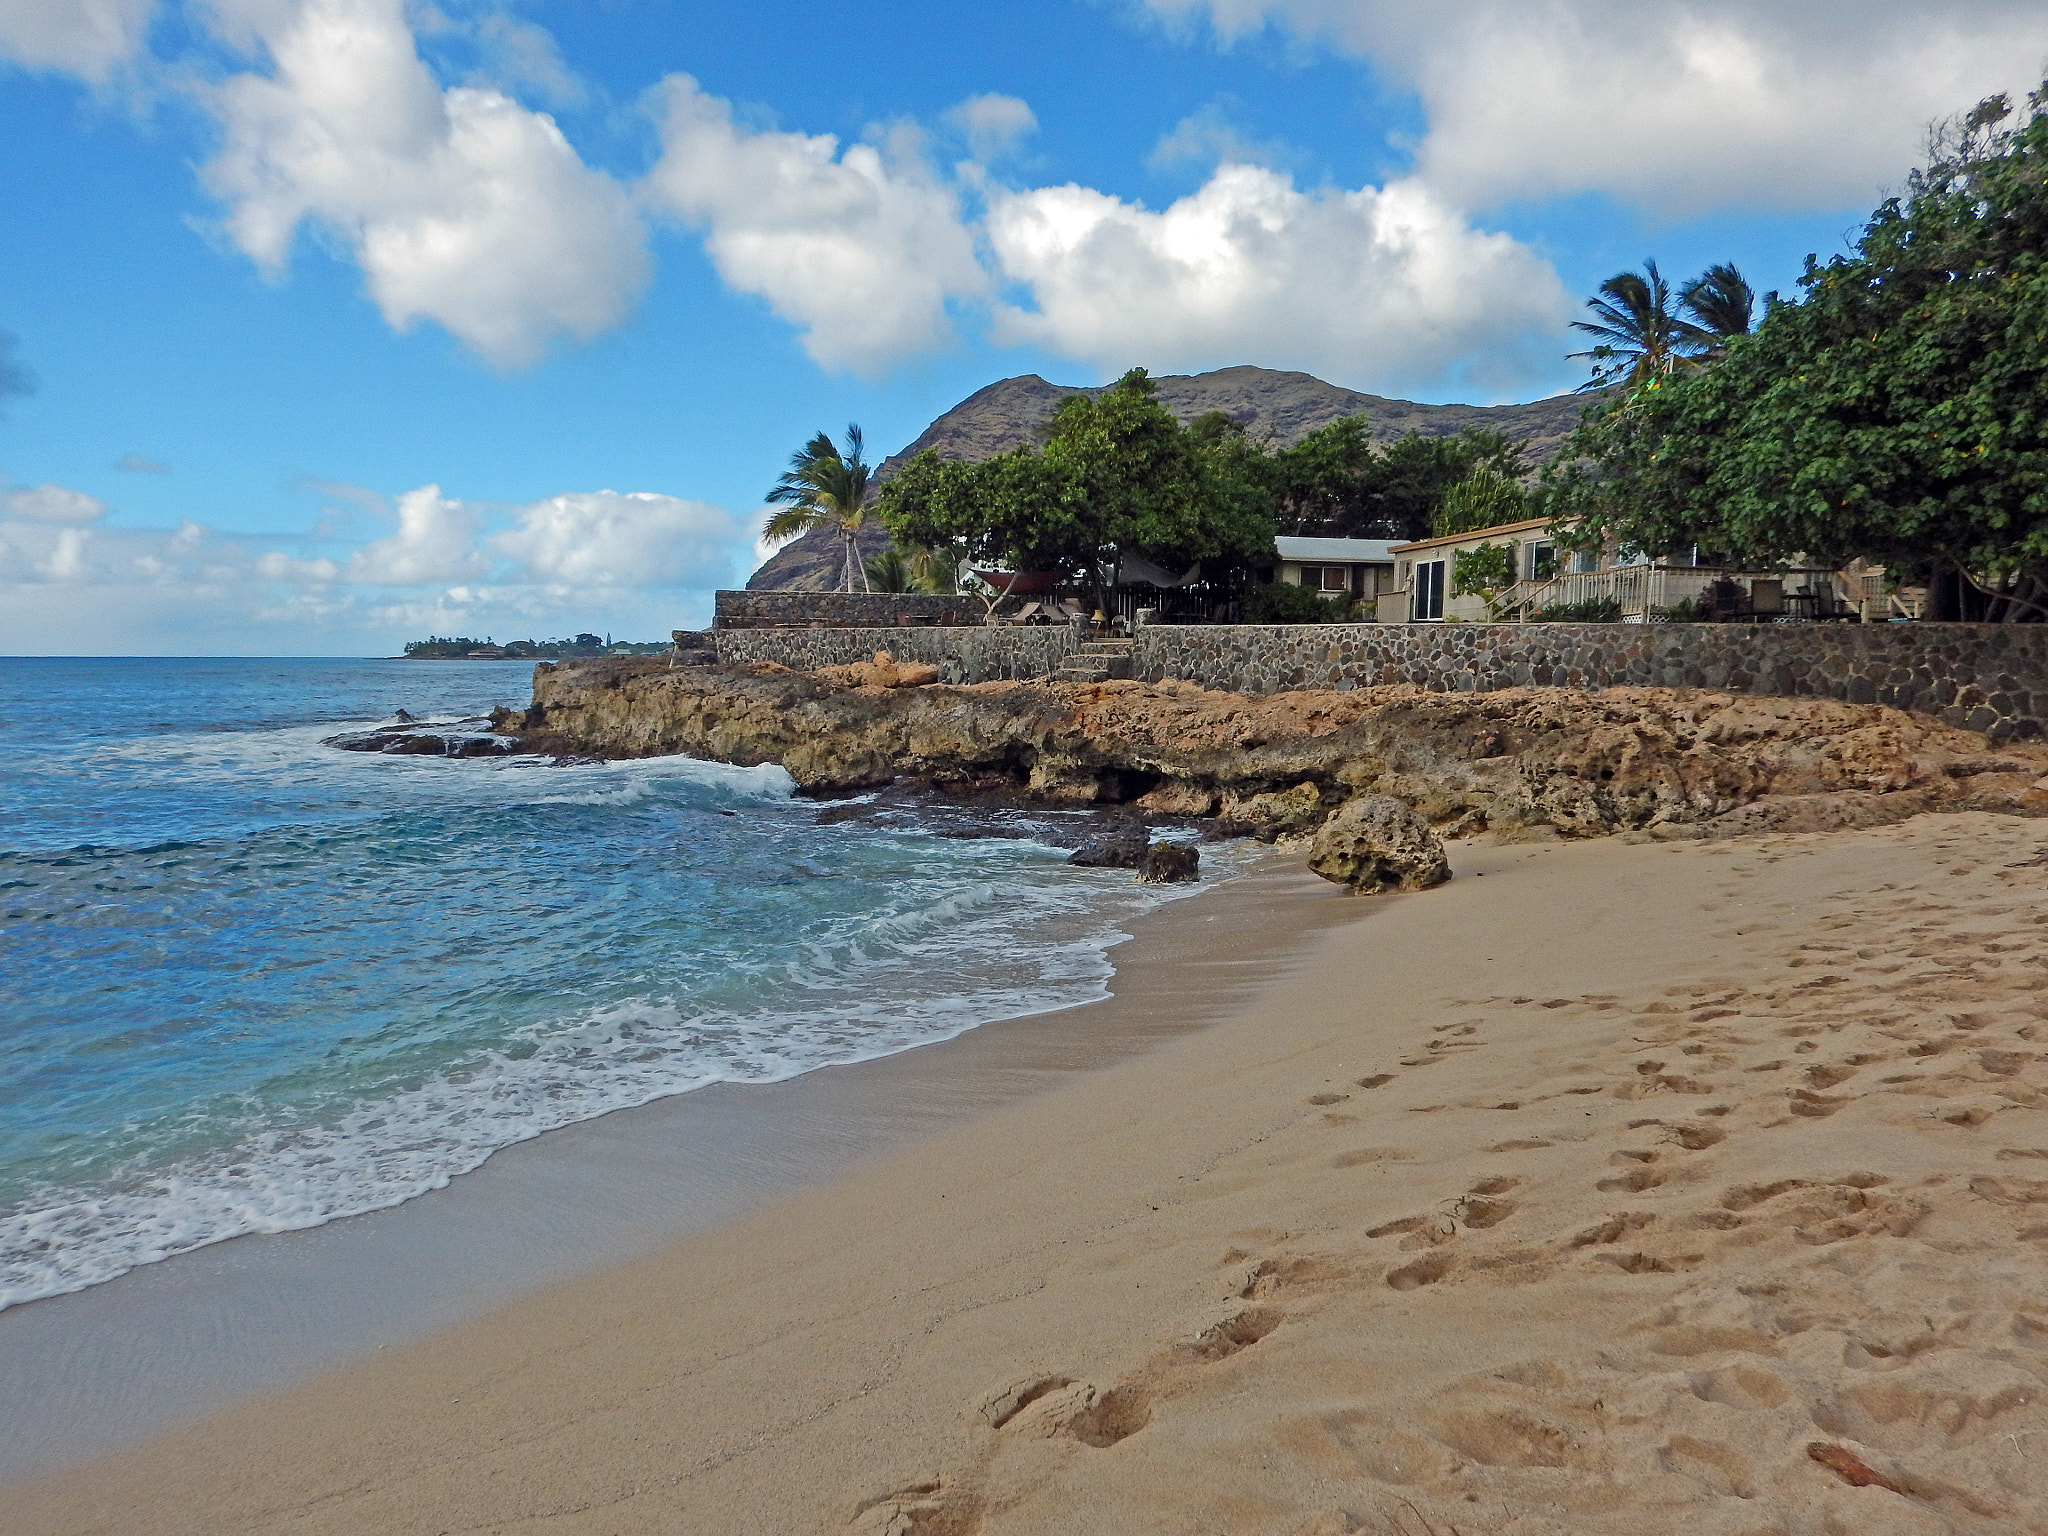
1669,104
630,539
1386,284
88,38
461,206
51,504
993,125
863,249
436,542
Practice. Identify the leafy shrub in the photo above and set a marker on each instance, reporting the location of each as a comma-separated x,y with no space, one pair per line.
1597,610
1282,602
1483,571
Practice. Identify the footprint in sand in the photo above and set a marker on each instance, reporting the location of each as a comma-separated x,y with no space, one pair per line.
1634,1182
1426,1270
1613,1229
924,1508
1046,1406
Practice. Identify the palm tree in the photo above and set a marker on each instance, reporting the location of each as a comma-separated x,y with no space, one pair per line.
825,488
890,572
1720,304
1639,336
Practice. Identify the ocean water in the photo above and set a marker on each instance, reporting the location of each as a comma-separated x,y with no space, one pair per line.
250,983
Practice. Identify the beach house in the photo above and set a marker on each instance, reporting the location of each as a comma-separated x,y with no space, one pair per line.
1523,571
1359,568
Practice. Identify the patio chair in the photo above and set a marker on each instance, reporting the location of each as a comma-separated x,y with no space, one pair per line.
1767,599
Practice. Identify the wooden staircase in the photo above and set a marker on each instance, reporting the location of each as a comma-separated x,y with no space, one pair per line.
1097,662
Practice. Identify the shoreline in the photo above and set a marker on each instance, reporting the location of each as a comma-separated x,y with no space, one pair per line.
134,1356
1589,1193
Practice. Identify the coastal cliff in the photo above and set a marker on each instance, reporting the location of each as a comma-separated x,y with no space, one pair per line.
1522,762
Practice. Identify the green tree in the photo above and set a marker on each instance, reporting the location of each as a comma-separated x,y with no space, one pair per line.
1327,483
825,488
1118,475
1336,483
1486,498
1898,409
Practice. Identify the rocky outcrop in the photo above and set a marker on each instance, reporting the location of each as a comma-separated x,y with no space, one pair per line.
882,671
1119,848
1554,761
466,738
1378,843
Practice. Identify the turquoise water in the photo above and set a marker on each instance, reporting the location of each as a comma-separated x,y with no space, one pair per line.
252,983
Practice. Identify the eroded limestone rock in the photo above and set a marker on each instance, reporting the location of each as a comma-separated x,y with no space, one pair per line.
884,671
1532,761
1378,843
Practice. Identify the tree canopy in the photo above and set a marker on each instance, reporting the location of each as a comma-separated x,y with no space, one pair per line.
1335,483
1896,409
1118,475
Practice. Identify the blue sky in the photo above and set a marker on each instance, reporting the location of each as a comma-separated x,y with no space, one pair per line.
349,320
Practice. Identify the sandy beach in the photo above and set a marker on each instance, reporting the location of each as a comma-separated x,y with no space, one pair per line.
1613,1187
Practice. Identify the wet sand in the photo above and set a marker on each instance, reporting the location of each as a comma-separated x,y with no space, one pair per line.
1611,1188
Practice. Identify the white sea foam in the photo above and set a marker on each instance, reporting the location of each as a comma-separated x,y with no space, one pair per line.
977,953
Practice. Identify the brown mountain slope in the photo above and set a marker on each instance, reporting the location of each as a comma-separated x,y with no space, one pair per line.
1264,401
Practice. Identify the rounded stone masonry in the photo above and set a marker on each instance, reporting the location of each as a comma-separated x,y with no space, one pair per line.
1378,843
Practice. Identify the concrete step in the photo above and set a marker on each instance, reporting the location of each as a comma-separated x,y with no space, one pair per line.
1092,669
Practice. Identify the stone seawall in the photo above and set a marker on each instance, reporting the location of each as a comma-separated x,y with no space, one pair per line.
965,655
839,610
1986,677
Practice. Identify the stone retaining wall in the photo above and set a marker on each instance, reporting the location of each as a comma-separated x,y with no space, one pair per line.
838,610
1985,677
965,655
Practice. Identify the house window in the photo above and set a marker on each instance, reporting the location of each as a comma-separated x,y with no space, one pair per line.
1311,575
1336,578
1428,602
1586,560
1540,560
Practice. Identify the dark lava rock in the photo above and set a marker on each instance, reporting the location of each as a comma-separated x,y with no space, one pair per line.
401,742
696,658
1166,863
1116,848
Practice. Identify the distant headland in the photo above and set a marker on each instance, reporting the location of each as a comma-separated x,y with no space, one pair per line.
463,648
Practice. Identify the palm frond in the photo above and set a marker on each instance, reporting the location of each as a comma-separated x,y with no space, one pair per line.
1720,302
793,522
